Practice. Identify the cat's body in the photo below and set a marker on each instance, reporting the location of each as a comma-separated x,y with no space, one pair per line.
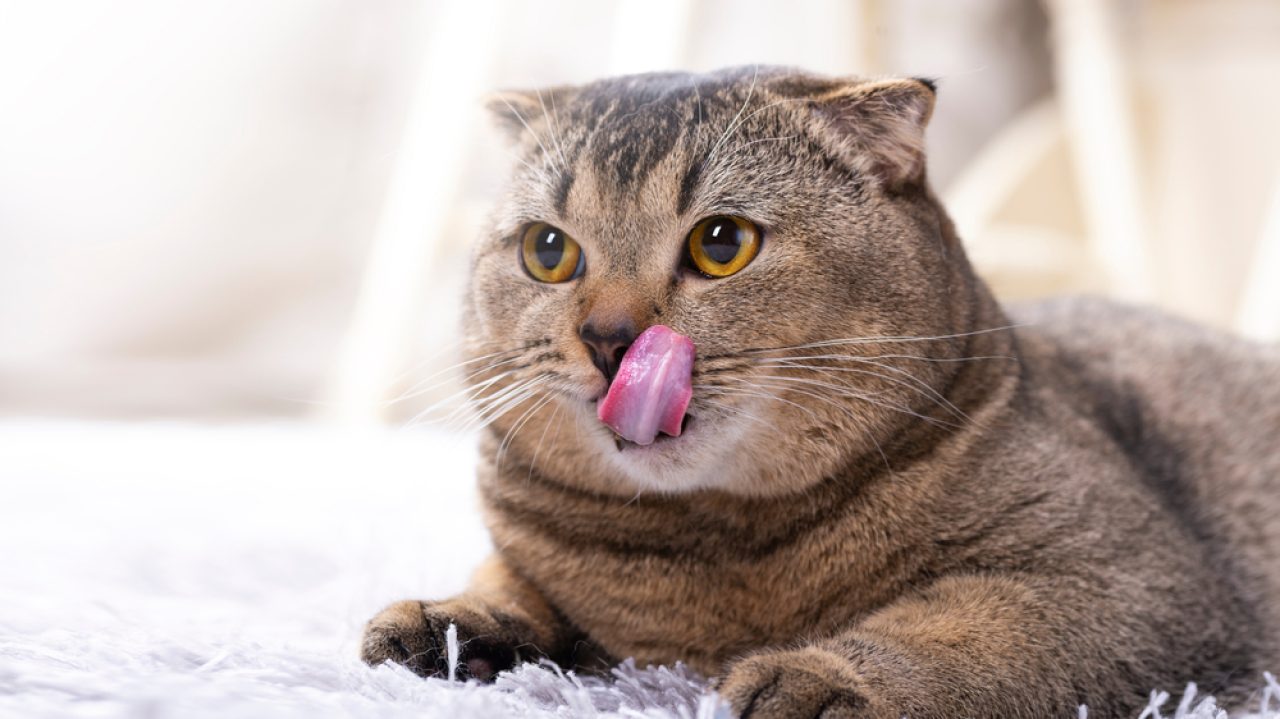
892,499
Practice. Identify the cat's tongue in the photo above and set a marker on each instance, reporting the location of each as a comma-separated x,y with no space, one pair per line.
652,388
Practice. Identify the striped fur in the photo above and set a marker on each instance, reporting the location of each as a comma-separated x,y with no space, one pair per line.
895,497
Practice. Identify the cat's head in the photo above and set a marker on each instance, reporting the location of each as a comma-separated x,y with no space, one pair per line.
778,219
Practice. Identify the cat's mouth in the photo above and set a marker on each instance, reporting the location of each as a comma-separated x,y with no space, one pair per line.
648,398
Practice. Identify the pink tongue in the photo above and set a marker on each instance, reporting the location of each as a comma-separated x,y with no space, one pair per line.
652,387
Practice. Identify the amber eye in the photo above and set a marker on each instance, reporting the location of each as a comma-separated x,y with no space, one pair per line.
549,255
720,246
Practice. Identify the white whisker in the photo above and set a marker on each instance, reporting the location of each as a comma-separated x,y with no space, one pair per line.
737,124
418,389
736,410
733,123
851,393
915,384
520,422
520,117
502,400
542,439
487,409
872,340
921,358
551,127
764,393
463,393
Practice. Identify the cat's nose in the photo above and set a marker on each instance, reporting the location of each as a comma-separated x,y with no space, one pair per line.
607,342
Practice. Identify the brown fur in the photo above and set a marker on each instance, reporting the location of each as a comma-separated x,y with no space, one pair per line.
1000,521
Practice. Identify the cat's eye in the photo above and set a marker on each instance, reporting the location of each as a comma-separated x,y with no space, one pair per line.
722,245
550,255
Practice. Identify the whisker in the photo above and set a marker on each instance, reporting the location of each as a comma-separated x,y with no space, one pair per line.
765,394
551,127
449,347
458,365
464,392
733,123
916,384
539,172
507,394
767,139
488,409
520,117
872,340
520,423
736,410
852,394
921,358
737,124
878,400
859,421
844,410
924,387
713,373
542,439
417,390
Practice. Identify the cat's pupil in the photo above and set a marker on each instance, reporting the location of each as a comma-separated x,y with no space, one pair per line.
549,248
722,241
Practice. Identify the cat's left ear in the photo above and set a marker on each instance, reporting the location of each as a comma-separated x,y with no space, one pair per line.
878,127
518,112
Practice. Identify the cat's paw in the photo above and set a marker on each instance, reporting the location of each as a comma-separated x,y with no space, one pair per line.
797,684
413,634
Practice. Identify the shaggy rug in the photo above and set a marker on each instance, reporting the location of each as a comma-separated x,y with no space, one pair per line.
194,571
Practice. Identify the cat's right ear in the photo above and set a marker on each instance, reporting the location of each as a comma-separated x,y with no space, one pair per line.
519,112
878,126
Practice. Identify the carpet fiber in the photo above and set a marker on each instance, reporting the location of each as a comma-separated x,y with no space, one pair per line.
180,571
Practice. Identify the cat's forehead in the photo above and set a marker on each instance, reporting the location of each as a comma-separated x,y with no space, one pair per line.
625,127
640,145
625,132
636,159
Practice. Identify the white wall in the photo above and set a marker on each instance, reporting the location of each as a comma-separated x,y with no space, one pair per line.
189,192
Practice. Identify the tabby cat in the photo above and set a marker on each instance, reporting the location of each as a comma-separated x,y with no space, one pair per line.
749,408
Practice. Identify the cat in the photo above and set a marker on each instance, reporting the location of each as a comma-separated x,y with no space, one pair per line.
887,496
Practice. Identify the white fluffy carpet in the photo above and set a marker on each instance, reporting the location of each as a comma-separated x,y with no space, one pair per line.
225,571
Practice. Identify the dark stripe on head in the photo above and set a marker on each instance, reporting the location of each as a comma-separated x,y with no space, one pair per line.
561,198
687,185
640,120
632,144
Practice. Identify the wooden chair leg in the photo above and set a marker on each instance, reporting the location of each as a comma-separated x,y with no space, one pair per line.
1094,93
1259,307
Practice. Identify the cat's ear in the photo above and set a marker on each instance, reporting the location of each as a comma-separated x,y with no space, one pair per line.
518,112
878,127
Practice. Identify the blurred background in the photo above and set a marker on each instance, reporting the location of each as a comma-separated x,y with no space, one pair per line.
250,209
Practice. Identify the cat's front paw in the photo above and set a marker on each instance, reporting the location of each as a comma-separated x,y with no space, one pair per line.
796,684
413,634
